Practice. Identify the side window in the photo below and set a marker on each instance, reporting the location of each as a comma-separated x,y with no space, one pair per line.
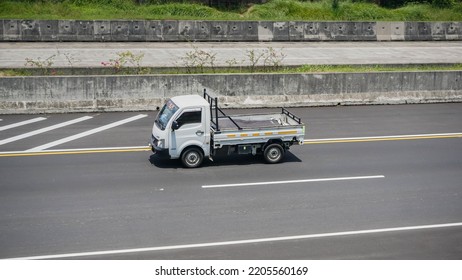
189,117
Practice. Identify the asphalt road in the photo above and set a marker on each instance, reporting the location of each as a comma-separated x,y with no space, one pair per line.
171,54
384,198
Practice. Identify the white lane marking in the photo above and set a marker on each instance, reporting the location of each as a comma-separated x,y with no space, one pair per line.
99,149
42,130
79,150
240,242
294,181
384,137
21,123
86,133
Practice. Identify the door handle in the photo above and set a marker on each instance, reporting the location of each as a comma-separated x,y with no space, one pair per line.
199,133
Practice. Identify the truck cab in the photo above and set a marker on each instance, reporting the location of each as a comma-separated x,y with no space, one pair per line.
181,124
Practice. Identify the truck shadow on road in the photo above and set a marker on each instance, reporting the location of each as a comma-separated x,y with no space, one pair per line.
232,160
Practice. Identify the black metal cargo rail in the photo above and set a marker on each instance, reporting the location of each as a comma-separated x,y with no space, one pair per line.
292,116
214,109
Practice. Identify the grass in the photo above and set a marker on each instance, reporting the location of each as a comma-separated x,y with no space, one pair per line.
235,70
281,10
90,11
372,68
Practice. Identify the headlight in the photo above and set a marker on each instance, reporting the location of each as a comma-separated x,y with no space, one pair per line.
160,143
157,143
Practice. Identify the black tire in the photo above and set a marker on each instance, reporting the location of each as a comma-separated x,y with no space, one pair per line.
192,158
274,153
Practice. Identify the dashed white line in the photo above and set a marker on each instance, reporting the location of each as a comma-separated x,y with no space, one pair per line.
5,127
241,242
86,133
293,181
42,130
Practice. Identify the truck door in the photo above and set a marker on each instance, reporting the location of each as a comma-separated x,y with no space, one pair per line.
188,129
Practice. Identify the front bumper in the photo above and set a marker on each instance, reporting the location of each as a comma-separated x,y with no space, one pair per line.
160,152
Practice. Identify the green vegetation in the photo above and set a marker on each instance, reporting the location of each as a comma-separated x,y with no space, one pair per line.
371,68
199,61
339,10
229,70
352,11
109,9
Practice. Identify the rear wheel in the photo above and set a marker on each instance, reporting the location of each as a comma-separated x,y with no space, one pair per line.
192,158
273,153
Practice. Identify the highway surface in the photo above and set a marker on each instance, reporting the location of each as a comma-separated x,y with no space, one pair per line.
372,182
166,54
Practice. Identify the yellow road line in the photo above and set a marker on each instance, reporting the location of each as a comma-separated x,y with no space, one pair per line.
377,139
74,152
306,142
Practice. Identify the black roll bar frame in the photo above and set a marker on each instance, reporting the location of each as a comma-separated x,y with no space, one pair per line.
214,109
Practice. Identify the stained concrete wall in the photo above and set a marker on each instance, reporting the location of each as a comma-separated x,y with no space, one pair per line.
120,93
183,31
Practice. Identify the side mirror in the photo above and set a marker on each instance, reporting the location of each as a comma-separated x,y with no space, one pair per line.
175,125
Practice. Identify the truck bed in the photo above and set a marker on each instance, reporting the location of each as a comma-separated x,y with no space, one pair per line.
254,122
253,129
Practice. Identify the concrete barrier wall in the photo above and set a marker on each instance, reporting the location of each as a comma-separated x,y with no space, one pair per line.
125,93
181,31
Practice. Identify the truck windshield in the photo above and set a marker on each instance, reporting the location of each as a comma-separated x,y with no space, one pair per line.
166,114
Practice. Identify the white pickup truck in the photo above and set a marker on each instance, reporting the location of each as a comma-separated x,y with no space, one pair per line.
192,127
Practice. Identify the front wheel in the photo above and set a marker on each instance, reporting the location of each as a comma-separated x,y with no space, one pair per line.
192,158
273,153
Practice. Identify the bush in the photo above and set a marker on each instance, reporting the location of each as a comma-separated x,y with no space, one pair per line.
363,11
291,9
401,3
443,3
335,5
415,13
181,10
